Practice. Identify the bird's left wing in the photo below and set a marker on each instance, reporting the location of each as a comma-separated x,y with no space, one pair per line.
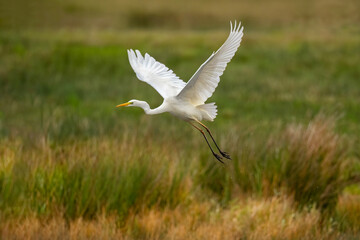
203,83
156,74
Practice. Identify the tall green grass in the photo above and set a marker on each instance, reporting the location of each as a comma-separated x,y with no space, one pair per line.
84,179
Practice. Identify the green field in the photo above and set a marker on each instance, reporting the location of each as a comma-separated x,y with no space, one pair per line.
73,166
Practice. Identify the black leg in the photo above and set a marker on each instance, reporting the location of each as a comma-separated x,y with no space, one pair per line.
202,132
224,154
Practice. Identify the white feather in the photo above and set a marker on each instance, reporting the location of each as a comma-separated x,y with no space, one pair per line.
156,74
203,83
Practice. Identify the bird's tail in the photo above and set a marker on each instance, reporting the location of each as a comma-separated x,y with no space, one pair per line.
209,111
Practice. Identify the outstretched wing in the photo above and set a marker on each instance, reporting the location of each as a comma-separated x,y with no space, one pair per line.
156,74
203,83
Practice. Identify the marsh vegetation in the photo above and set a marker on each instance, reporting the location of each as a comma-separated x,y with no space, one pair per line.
74,166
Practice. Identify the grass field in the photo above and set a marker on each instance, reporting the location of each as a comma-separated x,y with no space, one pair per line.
73,166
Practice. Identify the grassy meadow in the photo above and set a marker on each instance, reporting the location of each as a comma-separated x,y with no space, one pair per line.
72,166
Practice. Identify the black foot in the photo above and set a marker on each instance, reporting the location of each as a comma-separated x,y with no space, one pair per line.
225,155
218,158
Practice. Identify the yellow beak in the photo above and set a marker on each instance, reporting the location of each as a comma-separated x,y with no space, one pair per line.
124,104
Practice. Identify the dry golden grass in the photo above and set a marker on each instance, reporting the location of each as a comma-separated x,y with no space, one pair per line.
273,218
347,206
317,158
58,228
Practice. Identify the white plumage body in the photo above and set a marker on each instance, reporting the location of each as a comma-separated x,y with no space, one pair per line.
185,110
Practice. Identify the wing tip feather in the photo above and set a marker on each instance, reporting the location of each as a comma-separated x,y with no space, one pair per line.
236,28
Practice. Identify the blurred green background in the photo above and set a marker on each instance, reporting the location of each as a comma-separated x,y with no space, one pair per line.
63,64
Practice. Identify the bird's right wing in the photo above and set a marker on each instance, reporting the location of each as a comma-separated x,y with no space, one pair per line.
203,83
156,74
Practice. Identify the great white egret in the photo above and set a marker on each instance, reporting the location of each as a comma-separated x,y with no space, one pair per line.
186,100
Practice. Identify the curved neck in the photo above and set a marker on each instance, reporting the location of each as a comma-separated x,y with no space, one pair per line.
145,106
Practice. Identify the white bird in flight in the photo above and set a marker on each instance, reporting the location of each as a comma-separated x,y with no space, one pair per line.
186,100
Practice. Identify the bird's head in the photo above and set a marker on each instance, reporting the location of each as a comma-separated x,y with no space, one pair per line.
132,103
